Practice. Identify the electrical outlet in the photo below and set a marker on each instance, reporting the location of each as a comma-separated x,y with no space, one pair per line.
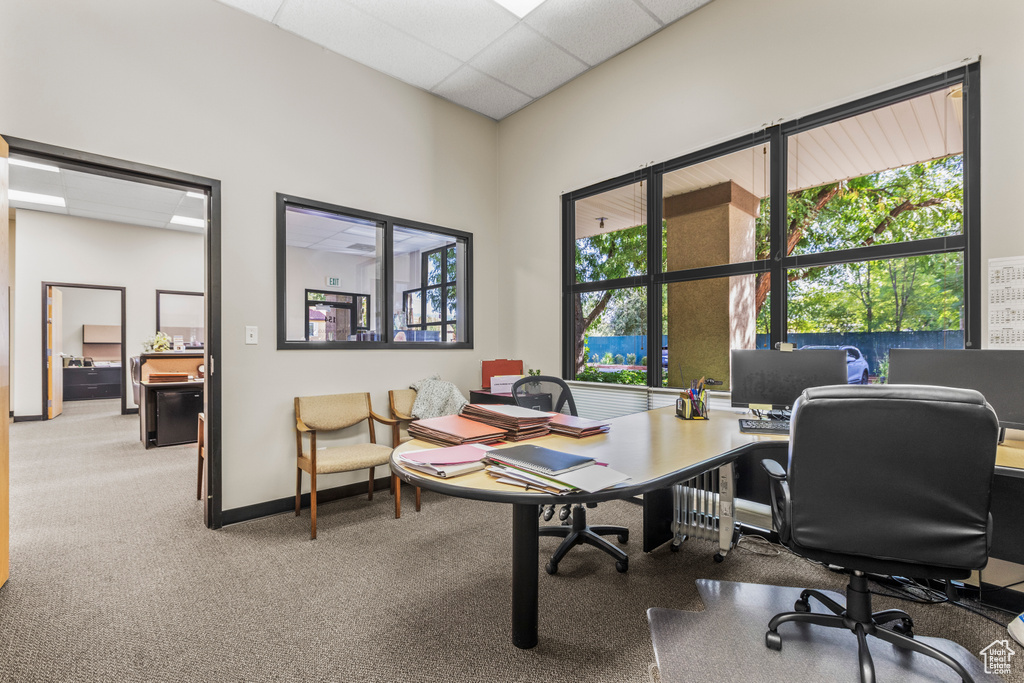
252,334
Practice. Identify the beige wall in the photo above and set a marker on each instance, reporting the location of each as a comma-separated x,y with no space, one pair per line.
726,70
89,307
57,248
199,87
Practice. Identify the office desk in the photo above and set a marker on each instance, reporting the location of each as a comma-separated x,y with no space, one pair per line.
656,449
169,412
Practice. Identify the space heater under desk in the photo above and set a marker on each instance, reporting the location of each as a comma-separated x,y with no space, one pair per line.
704,508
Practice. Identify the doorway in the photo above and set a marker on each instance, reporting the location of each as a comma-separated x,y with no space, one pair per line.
83,343
189,185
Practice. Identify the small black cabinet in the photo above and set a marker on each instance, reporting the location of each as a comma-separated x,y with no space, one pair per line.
177,415
82,384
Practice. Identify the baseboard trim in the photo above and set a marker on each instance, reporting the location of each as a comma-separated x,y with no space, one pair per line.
276,507
27,418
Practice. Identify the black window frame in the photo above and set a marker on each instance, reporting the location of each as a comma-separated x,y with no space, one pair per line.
352,307
777,137
284,201
425,285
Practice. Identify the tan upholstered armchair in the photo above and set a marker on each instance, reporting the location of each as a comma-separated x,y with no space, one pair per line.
315,414
401,401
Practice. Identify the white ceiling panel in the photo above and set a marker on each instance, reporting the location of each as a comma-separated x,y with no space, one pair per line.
480,92
668,11
593,30
264,9
460,28
104,216
525,60
432,43
34,180
340,27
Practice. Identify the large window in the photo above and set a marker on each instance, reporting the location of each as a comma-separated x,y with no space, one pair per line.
338,269
854,227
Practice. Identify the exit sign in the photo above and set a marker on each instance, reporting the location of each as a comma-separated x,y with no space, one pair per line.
333,281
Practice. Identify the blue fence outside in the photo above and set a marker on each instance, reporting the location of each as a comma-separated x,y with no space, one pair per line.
874,345
622,345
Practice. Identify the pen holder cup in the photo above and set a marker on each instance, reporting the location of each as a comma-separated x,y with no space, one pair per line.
692,407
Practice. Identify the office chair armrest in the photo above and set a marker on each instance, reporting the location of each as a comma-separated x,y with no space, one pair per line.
780,498
774,469
382,419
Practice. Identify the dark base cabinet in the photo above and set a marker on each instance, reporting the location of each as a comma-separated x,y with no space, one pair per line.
82,384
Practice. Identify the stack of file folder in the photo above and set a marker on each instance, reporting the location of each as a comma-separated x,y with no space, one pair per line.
519,423
578,427
448,462
454,430
550,471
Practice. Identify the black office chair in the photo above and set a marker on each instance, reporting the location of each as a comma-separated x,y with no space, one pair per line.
551,394
887,479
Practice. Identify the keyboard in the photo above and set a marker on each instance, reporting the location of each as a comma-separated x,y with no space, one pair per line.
764,426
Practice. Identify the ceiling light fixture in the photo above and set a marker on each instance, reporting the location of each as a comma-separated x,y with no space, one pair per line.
195,195
520,8
190,222
35,198
31,164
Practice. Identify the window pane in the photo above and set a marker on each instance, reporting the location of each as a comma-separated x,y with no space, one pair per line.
434,268
337,260
611,239
611,330
429,269
182,315
433,298
716,212
873,306
893,174
451,303
706,319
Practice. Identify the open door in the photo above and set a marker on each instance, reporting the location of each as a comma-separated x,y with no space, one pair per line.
5,382
54,348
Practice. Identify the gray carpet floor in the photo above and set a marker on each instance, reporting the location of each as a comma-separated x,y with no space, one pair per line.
114,578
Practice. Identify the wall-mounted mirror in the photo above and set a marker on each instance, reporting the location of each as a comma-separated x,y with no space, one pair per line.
181,314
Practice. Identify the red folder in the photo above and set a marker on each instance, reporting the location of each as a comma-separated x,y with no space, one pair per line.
490,368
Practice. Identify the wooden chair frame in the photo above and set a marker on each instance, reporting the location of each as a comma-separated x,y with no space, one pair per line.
396,483
308,464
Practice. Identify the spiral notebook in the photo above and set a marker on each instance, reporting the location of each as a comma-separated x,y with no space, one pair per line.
539,459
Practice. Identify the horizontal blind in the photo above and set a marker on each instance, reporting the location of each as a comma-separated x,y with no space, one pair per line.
598,401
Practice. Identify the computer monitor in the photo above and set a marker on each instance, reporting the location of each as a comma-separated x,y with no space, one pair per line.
777,378
997,373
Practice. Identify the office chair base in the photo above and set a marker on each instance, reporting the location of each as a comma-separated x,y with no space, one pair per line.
580,533
858,618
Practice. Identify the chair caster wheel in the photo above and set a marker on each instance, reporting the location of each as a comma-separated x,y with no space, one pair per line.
623,538
718,557
773,641
622,565
551,568
674,547
801,606
905,626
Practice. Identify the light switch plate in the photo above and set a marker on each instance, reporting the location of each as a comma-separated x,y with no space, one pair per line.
252,334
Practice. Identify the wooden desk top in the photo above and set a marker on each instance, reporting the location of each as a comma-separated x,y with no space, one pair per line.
1010,455
193,383
654,448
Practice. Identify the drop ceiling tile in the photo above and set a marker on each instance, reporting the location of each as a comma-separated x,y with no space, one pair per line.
670,10
75,206
99,215
354,34
460,28
264,9
593,30
34,180
528,62
480,92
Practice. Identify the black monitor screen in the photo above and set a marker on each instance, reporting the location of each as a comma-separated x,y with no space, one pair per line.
997,373
777,378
